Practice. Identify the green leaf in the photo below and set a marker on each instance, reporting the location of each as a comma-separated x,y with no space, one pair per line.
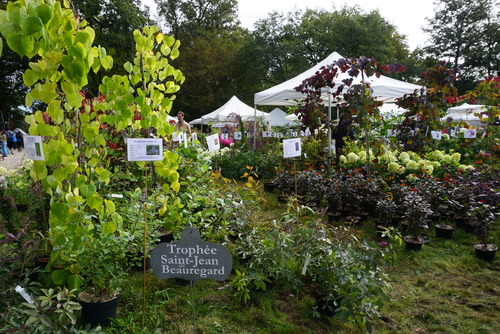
1,47
109,227
128,67
87,190
59,276
95,202
30,77
74,281
44,12
19,43
31,25
107,62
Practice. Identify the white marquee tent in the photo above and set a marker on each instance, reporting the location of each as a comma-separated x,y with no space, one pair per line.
384,88
234,105
277,117
465,112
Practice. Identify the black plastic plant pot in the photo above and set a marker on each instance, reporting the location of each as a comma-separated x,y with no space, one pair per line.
99,313
444,231
486,252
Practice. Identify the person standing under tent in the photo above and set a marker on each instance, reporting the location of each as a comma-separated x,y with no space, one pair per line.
182,125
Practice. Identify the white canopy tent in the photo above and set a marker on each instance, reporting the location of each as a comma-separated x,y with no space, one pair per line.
233,106
384,88
278,117
465,112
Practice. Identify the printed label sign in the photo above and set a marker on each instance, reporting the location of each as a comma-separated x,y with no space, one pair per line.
142,149
33,147
436,135
292,148
470,133
213,142
191,259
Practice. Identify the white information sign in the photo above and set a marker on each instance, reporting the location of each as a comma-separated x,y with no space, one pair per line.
33,147
237,135
144,149
470,133
194,136
213,142
224,136
436,135
265,134
178,136
292,148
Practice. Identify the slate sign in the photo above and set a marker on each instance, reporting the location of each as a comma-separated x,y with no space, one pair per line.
191,259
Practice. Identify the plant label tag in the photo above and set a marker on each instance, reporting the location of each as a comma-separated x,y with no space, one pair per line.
436,135
237,135
33,147
191,259
304,269
142,149
20,290
292,148
470,133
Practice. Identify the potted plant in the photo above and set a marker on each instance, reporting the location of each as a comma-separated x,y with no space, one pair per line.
484,217
417,212
97,265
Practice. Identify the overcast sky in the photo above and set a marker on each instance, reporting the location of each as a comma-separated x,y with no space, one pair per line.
407,16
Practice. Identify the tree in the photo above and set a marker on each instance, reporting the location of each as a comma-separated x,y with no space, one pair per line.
187,19
286,44
114,22
466,34
211,38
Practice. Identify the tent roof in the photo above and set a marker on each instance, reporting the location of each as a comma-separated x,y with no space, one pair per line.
278,118
384,88
466,108
234,105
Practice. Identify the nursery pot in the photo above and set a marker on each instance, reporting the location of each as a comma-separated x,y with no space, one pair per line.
268,186
412,243
486,252
470,227
444,231
99,313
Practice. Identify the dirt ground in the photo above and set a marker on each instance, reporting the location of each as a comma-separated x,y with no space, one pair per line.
14,160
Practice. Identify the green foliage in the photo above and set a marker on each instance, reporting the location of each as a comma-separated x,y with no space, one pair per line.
76,143
300,253
233,163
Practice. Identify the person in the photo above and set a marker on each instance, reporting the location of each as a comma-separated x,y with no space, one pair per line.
20,142
3,142
343,130
11,141
226,137
182,125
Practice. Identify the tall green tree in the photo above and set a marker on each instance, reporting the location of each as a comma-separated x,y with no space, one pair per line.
210,39
114,22
284,45
466,33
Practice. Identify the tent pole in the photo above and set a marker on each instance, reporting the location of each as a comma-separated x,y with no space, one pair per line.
329,131
254,127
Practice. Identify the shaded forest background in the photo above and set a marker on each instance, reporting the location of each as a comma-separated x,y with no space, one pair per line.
219,58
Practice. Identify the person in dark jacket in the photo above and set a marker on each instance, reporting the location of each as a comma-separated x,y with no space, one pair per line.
343,130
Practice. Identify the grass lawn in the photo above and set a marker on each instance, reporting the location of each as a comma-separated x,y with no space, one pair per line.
443,288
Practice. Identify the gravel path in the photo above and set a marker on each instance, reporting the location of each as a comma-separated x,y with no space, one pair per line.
13,161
